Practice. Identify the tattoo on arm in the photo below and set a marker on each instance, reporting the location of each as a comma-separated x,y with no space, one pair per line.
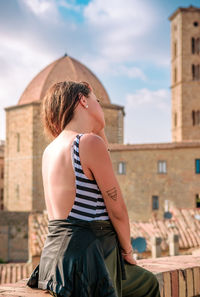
112,193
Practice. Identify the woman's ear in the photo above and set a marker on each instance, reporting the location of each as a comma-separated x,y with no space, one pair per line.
83,100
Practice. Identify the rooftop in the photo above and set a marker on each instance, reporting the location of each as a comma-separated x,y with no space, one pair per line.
155,146
191,8
184,222
64,68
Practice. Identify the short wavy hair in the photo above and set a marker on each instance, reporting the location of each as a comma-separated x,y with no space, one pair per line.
59,103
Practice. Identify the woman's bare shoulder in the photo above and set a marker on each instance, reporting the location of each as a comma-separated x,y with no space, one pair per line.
91,141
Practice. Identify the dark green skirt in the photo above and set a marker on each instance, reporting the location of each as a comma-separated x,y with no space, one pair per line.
83,259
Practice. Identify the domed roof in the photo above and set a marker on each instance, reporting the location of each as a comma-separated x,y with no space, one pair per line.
65,68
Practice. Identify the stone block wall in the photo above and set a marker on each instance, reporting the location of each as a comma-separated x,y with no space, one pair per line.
14,236
18,158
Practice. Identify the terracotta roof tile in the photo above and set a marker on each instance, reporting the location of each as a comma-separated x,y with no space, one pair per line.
183,223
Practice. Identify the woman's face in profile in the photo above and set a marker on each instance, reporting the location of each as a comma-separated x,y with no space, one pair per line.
96,111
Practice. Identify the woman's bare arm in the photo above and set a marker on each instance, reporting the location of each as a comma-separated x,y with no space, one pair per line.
99,162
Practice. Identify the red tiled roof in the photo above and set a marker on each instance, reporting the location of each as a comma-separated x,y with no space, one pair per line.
65,68
183,223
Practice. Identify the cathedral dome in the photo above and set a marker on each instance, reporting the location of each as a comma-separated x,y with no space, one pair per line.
65,68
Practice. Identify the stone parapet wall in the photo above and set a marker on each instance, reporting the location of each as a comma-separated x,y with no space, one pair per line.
178,276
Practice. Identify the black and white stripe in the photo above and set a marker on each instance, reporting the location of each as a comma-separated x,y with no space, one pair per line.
89,204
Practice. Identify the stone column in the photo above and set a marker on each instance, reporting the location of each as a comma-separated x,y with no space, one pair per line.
155,246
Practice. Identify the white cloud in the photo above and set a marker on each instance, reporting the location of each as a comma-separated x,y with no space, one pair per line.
147,116
118,25
132,72
17,57
106,67
42,8
159,99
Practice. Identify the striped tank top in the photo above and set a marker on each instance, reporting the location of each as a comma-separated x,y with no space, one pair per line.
88,204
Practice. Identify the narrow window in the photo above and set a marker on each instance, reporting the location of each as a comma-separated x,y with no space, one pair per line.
1,193
175,49
196,24
2,172
17,191
18,142
197,166
175,74
121,168
193,72
1,206
162,167
193,45
198,200
193,118
175,119
155,202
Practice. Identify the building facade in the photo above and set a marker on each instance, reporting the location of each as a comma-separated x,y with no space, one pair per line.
185,73
2,148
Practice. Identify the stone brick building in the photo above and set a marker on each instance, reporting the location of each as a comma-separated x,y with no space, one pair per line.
25,139
151,176
2,148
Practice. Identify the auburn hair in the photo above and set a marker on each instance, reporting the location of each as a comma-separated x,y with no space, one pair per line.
59,103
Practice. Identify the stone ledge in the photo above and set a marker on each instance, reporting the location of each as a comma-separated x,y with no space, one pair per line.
178,276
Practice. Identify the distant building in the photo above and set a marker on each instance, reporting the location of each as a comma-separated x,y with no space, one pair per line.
152,176
2,148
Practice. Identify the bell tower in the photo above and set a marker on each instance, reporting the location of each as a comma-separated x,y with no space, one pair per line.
185,73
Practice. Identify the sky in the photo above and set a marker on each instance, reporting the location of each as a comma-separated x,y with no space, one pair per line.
125,43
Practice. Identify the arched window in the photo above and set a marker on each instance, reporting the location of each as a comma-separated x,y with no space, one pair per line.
193,45
193,117
193,72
